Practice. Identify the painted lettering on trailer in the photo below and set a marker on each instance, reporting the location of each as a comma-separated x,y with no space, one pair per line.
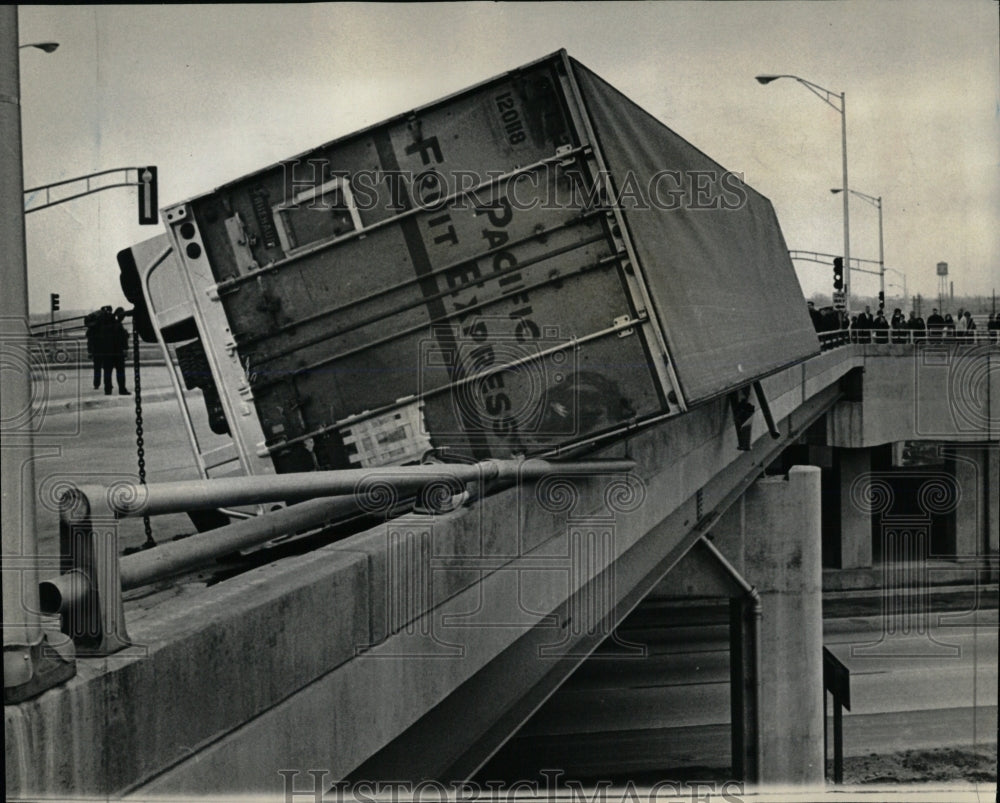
429,190
510,118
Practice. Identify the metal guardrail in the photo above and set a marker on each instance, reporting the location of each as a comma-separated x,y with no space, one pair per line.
88,594
843,337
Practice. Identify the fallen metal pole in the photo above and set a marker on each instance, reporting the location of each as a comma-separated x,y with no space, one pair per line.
132,499
169,559
381,488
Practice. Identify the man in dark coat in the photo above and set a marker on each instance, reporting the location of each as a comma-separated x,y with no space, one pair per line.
865,323
881,325
935,323
814,314
120,350
110,340
91,322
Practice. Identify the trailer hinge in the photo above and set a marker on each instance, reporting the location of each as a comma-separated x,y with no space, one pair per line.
622,321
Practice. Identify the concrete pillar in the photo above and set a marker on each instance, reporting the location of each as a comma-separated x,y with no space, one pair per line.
993,499
783,560
970,513
855,522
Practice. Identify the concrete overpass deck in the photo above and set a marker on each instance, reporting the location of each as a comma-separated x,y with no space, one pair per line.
416,648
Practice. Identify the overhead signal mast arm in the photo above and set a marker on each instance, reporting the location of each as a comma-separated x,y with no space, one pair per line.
144,178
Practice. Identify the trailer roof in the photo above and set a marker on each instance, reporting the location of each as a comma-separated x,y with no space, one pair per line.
717,266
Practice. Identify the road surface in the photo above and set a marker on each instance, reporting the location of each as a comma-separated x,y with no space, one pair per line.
671,709
83,436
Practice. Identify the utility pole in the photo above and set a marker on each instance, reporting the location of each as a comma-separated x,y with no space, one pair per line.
30,663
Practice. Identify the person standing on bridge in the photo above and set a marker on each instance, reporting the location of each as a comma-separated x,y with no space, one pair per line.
120,344
961,325
91,322
935,324
970,327
898,323
865,323
949,326
815,316
100,343
881,327
917,326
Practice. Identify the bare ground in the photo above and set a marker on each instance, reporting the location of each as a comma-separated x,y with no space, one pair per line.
973,764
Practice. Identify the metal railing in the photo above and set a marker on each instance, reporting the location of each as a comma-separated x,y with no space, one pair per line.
844,337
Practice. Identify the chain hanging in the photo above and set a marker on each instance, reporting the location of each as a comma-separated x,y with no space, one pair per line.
139,450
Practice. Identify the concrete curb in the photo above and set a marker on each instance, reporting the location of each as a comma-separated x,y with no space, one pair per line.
64,406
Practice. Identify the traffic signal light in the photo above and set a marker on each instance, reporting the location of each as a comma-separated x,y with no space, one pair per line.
54,299
881,299
838,273
147,196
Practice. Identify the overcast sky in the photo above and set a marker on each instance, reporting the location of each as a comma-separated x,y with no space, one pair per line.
208,93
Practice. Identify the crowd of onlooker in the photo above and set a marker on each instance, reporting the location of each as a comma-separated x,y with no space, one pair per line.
865,327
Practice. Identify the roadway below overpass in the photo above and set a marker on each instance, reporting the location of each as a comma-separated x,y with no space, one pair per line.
420,646
667,714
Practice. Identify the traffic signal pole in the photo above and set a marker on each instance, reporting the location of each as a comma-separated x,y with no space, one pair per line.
142,177
30,663
846,192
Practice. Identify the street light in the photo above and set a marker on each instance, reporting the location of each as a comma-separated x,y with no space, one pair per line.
903,277
48,47
877,203
827,97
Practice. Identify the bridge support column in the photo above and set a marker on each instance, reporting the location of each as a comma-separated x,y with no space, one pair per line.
783,560
970,513
855,521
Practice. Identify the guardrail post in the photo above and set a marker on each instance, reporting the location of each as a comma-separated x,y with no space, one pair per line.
88,595
837,681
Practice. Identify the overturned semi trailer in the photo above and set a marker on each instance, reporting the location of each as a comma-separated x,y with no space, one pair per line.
527,266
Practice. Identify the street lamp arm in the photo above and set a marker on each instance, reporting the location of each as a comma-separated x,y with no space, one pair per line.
822,93
48,47
876,202
827,97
